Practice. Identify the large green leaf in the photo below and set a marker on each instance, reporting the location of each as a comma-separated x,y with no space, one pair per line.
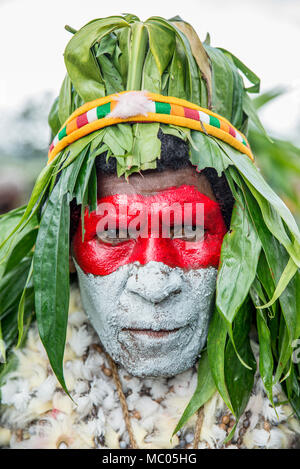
111,76
161,44
118,138
113,140
290,305
38,192
276,256
83,178
270,273
146,147
239,379
206,153
9,323
292,388
9,221
266,362
192,75
222,82
200,56
12,285
177,80
23,244
250,111
151,80
137,53
80,61
277,260
124,42
237,115
107,54
53,118
288,273
238,263
107,45
73,169
78,146
216,343
204,391
271,205
22,304
285,352
252,77
65,100
51,278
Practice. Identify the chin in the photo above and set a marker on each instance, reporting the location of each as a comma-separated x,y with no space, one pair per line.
158,367
166,356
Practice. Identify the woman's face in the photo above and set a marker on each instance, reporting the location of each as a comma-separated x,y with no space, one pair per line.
147,268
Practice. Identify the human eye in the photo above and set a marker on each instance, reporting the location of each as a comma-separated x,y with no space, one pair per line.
113,236
190,233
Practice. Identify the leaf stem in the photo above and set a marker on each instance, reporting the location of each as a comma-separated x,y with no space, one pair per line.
139,39
70,29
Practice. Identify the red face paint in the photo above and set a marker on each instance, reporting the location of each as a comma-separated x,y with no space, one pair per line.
101,258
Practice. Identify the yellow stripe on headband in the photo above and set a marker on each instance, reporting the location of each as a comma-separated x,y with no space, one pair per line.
142,106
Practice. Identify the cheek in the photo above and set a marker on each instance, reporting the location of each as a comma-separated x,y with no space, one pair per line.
98,258
98,306
201,254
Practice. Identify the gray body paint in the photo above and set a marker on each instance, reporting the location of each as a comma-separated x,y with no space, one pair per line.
153,296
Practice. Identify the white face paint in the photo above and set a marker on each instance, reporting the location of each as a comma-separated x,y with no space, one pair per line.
152,319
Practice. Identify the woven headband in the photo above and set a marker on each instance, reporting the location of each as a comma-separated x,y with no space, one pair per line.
142,106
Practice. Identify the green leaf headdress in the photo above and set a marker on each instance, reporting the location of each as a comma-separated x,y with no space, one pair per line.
258,278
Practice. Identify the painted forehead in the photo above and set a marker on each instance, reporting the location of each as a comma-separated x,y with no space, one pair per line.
184,200
182,193
153,182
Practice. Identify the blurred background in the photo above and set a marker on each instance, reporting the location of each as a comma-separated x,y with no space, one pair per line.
264,34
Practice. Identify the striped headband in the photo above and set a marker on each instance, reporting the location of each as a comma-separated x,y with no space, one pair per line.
142,106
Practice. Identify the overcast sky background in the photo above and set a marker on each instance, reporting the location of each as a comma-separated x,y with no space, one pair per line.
264,34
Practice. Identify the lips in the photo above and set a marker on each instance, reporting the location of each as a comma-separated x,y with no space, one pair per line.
152,333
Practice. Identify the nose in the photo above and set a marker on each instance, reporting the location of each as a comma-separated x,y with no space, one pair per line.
154,281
